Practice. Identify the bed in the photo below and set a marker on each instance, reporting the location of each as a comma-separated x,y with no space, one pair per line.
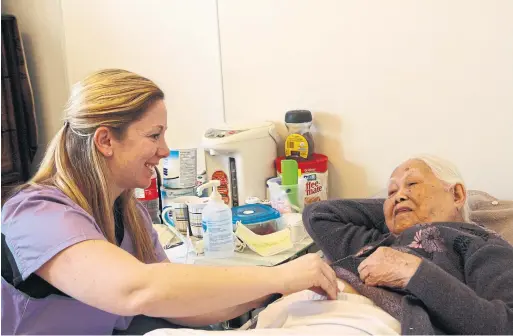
307,313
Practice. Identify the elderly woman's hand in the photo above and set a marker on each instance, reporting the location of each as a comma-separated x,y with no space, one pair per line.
388,267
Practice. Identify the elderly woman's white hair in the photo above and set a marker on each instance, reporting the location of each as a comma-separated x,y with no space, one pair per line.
449,174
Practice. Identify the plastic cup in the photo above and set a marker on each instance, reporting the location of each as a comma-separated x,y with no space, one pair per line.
286,198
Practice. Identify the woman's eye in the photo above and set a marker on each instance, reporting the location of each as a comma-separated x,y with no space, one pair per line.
156,136
391,192
411,184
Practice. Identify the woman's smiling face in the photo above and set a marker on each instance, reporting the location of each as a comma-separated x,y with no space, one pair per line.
140,149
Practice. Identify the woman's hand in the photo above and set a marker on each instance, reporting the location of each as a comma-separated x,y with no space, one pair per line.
388,267
308,272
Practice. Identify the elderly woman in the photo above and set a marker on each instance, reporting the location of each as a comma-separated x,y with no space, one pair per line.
417,255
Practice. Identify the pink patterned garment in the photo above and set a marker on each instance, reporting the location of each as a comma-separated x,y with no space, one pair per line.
429,240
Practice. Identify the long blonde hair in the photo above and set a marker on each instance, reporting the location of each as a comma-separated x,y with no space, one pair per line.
113,98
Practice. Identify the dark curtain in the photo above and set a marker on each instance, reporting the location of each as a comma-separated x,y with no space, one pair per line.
19,130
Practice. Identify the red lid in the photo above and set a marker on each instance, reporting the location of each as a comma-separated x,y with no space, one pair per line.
317,164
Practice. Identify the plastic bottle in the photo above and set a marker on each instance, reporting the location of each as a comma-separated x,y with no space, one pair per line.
217,226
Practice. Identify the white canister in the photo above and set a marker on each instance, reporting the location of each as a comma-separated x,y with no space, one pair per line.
178,213
294,222
180,169
195,216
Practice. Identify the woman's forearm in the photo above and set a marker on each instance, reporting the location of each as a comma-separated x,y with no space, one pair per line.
174,290
104,276
218,316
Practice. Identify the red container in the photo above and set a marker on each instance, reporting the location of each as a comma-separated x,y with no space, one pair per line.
315,171
150,193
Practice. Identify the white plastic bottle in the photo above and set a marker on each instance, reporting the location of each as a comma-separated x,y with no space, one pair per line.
217,226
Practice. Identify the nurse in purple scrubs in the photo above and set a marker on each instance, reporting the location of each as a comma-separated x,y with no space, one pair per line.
79,255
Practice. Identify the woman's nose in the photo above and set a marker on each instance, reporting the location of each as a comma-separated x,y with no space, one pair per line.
400,197
163,151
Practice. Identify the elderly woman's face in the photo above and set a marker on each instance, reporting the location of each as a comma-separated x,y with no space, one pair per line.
416,195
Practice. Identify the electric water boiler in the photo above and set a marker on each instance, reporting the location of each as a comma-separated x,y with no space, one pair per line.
242,159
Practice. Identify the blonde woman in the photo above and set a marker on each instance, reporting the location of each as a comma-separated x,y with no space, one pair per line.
79,255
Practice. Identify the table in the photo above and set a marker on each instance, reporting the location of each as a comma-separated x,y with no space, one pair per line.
245,258
250,258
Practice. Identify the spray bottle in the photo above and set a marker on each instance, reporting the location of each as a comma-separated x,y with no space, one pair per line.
217,226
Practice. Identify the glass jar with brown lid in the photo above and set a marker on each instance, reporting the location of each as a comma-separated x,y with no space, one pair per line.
299,144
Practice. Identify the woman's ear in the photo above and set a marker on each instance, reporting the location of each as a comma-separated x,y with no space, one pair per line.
459,194
103,140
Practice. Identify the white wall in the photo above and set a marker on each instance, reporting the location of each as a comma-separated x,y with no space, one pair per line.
172,42
40,24
385,80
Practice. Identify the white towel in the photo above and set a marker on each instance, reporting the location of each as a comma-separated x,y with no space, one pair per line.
308,313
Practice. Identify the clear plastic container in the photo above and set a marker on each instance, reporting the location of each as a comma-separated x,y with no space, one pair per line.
280,195
259,218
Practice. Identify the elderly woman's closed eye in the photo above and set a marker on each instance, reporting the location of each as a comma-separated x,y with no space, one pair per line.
416,195
417,255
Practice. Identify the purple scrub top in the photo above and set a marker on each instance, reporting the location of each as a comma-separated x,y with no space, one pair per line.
38,223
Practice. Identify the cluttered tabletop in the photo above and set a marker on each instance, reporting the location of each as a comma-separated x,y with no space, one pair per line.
245,207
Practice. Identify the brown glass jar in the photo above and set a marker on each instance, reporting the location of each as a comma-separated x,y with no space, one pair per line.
299,144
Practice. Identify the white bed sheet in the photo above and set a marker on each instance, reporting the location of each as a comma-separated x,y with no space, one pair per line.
307,313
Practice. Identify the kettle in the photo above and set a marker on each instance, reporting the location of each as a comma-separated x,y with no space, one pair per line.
242,158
